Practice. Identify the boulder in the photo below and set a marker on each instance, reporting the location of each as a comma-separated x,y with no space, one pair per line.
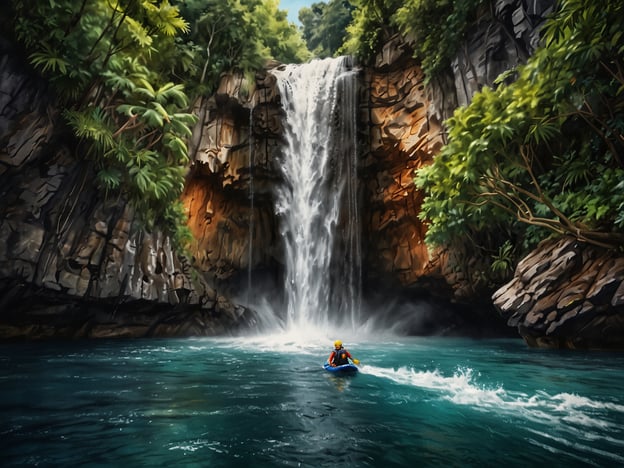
566,294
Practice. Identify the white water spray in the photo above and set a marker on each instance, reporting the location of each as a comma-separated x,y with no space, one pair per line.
317,204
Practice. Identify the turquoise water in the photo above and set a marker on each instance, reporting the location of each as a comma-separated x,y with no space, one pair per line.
261,402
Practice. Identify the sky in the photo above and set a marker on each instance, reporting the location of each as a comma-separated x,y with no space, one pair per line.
293,7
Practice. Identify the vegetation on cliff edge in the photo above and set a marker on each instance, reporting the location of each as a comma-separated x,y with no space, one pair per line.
434,28
544,154
126,74
324,25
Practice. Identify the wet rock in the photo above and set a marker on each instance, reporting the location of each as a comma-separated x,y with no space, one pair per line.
236,146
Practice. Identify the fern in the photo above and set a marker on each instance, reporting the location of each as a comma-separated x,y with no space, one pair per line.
49,61
542,131
91,124
110,178
503,261
138,33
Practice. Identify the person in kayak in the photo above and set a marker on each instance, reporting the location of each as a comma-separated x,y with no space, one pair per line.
340,356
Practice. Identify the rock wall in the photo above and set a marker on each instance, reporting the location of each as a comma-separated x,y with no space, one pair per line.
228,194
566,295
73,263
66,252
504,37
402,135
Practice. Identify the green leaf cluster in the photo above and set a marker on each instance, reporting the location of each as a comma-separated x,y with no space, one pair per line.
435,28
284,41
102,57
238,35
372,24
546,151
324,26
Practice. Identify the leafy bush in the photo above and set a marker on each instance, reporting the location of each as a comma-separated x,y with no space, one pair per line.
370,27
103,58
436,28
324,26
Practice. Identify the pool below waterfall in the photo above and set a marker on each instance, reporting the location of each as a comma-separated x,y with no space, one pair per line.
267,401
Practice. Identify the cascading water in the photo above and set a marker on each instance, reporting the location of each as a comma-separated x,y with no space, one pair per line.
318,203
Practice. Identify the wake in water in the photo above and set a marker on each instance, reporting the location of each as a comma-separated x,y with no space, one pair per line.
570,414
265,401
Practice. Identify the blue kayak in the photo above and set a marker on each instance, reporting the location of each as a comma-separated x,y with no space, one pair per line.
344,369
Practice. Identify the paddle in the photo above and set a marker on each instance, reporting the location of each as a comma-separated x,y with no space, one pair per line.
355,361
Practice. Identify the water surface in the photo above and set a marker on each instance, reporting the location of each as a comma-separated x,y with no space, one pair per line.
263,402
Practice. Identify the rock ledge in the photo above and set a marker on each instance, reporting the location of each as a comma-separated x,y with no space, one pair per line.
566,295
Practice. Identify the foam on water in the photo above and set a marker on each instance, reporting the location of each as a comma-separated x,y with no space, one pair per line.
577,413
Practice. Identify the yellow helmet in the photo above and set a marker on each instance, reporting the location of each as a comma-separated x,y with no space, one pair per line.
337,344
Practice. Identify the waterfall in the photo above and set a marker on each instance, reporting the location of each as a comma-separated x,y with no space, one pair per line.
317,204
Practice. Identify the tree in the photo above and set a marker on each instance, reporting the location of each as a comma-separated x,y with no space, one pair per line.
436,29
324,26
283,40
546,150
238,35
370,27
124,71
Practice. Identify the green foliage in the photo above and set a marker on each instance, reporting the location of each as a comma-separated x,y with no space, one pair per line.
370,27
324,26
103,58
284,41
503,260
238,34
124,71
546,150
175,219
436,28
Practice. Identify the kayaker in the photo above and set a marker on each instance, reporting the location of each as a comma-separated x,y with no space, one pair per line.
339,355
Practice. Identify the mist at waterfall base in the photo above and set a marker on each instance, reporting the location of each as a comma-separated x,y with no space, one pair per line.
417,401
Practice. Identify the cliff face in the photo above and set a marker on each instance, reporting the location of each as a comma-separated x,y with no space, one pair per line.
66,250
402,136
402,121
400,131
73,263
229,194
564,294
503,38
